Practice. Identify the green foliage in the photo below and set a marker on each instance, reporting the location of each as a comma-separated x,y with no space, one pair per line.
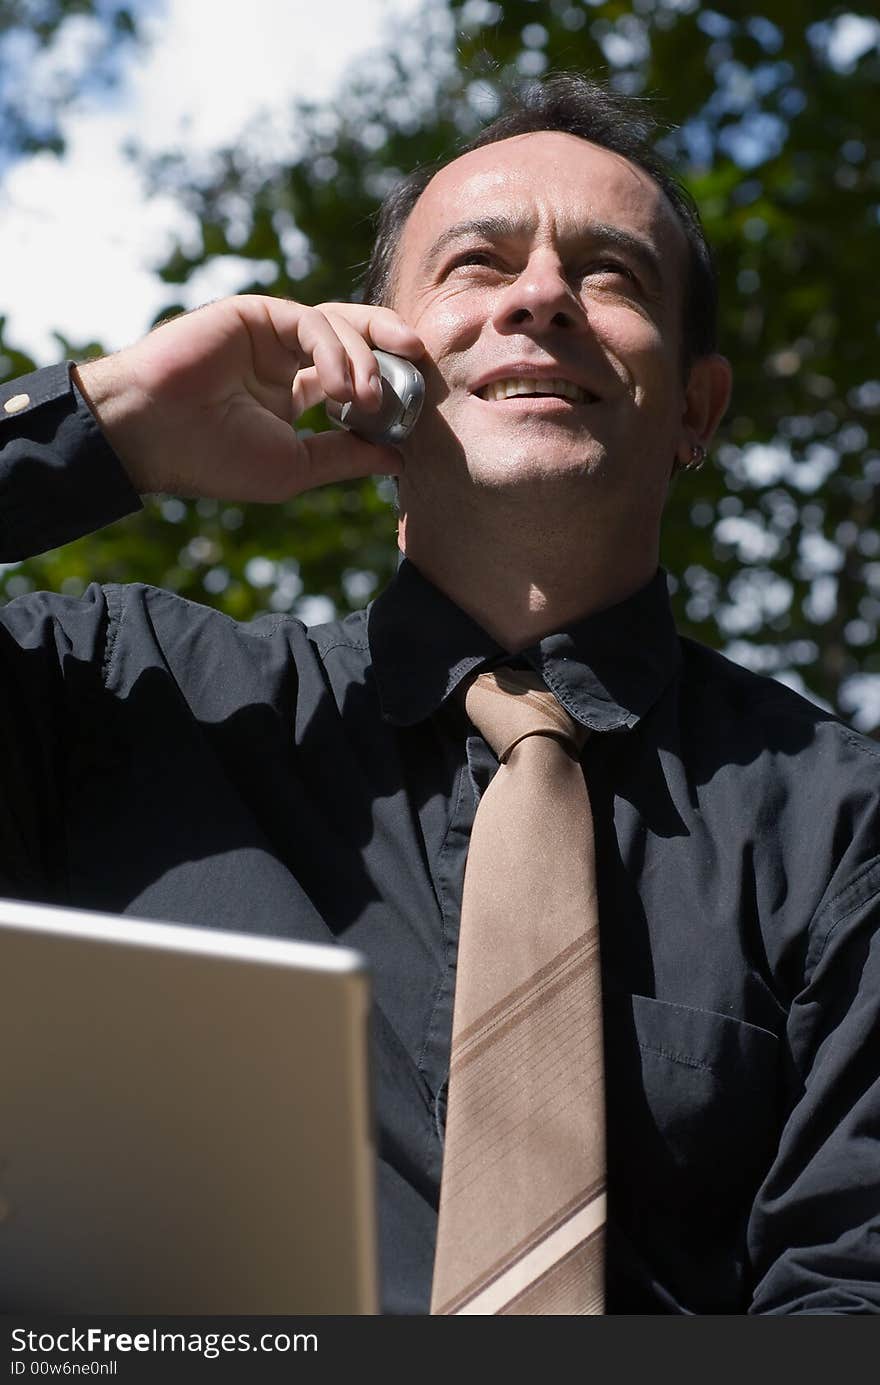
774,547
38,80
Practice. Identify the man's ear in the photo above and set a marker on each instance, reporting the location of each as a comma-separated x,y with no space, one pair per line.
707,395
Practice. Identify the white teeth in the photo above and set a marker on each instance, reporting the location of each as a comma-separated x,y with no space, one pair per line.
506,389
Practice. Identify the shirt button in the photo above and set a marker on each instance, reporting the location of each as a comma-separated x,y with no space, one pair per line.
16,403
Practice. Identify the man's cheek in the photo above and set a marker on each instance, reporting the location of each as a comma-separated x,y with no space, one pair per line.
451,325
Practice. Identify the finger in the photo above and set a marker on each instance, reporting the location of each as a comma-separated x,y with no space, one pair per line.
310,338
365,367
338,456
381,327
336,339
282,463
306,391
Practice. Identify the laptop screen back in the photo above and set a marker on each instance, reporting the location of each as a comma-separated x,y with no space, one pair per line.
185,1120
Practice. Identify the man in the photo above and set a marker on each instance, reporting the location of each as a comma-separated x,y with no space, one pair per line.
553,285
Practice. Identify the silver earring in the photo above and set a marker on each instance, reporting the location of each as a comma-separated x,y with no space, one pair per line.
697,458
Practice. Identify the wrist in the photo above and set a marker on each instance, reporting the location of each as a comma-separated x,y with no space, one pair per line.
118,405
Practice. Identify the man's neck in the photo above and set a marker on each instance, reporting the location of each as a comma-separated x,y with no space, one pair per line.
520,582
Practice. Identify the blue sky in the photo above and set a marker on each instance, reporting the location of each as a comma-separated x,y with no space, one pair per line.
80,232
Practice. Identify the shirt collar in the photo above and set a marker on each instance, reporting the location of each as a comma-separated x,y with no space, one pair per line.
607,670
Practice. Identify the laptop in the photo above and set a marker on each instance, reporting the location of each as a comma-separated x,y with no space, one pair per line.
185,1120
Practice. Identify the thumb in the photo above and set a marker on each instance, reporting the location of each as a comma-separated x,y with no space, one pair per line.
341,456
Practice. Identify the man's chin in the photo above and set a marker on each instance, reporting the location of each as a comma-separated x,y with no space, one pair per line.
539,467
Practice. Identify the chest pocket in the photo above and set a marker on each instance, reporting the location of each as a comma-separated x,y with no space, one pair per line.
693,1117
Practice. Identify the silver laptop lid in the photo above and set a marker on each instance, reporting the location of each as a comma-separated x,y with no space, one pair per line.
185,1120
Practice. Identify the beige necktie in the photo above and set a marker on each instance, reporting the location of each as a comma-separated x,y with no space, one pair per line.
522,1198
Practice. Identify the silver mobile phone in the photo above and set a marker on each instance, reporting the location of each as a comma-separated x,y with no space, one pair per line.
403,390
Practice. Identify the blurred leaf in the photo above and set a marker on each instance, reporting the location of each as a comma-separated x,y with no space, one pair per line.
39,77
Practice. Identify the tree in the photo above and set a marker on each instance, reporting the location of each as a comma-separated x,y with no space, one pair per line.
50,51
773,549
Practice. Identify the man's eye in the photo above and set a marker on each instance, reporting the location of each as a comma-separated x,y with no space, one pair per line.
472,257
611,267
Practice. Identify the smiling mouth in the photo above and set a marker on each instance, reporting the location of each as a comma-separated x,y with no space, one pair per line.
515,387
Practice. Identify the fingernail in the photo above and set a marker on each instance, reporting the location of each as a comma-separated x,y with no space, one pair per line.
376,387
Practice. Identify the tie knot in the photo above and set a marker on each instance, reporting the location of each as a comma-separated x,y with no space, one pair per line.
507,705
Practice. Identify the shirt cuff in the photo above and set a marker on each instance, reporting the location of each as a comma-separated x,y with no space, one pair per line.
59,476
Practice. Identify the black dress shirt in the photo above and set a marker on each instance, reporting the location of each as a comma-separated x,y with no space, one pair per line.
164,761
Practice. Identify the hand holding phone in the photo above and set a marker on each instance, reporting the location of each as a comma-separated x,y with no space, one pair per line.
403,390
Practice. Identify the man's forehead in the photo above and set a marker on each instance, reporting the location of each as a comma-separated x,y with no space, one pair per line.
545,173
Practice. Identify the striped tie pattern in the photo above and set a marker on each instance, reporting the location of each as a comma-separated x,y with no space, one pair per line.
522,1199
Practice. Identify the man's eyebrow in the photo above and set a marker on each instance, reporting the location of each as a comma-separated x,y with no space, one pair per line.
481,228
596,233
640,250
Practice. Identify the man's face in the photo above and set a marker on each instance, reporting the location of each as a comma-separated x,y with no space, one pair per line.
545,276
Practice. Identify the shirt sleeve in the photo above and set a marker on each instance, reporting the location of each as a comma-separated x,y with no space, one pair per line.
59,479
59,476
815,1229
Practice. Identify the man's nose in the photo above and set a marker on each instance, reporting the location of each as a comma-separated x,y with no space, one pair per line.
538,299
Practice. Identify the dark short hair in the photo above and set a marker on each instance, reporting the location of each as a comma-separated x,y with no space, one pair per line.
575,105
